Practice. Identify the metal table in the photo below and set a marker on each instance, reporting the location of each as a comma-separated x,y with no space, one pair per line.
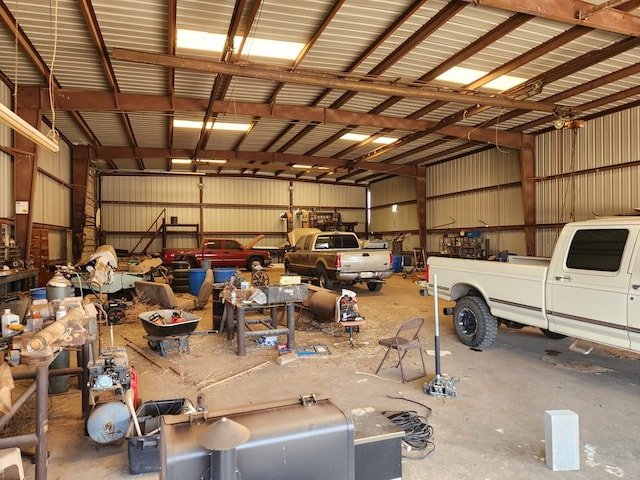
13,280
237,313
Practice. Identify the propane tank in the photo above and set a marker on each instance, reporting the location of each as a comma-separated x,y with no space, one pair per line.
58,287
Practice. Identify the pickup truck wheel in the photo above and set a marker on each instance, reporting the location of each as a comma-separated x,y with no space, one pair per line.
474,323
190,259
553,335
253,263
374,286
323,278
287,267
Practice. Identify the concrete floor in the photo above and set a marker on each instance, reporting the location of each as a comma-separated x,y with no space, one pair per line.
493,429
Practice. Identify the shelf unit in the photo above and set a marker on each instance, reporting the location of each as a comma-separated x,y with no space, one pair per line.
464,245
327,220
39,248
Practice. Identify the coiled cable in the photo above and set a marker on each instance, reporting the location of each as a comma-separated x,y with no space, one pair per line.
418,439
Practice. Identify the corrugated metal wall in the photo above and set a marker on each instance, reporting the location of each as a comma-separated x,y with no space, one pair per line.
51,205
589,172
89,233
231,207
594,171
52,201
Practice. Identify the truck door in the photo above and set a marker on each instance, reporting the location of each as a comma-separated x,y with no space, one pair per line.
634,300
588,285
212,249
233,253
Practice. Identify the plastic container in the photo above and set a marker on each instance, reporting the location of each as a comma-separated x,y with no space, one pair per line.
144,451
220,275
8,319
398,261
39,293
196,277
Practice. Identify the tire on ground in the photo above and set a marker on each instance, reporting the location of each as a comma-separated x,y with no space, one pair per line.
180,288
374,286
180,282
181,273
323,278
473,322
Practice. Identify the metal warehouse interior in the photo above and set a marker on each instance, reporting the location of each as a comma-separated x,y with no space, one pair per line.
472,129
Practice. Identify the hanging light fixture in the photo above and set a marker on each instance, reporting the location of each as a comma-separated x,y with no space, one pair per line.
21,126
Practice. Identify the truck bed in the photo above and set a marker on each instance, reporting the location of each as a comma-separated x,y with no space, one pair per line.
498,282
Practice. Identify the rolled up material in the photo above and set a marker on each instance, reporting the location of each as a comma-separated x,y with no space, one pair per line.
47,336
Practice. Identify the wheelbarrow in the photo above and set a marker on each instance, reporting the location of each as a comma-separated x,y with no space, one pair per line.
167,329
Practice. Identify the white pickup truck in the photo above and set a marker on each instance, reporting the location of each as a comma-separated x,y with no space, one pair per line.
589,289
338,257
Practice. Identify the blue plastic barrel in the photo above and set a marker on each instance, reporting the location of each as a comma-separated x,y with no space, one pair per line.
38,293
397,263
222,274
196,277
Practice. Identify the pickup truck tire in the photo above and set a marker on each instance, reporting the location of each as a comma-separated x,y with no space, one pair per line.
287,267
190,259
552,335
374,286
323,278
254,262
474,323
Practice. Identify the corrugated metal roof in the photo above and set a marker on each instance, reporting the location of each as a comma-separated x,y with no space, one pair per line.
374,44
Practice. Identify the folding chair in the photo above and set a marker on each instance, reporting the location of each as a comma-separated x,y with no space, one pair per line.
406,339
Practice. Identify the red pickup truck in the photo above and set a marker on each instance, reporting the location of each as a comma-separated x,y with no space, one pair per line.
221,252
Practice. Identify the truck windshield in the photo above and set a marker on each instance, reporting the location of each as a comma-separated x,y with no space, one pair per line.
597,249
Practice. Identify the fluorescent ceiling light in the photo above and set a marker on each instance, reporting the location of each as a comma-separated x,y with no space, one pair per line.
237,127
258,47
298,165
181,160
21,126
465,76
357,137
212,160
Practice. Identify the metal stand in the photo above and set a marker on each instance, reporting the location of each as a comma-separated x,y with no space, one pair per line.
163,344
439,386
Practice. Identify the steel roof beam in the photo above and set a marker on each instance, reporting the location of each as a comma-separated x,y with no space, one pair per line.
266,72
76,100
574,12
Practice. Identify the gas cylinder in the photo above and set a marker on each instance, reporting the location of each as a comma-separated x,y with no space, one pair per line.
58,287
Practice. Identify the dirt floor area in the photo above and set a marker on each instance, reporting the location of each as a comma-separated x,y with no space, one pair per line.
492,429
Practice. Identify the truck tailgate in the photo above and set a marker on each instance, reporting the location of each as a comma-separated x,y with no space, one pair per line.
365,261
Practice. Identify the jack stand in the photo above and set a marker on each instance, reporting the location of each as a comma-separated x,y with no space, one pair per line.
441,385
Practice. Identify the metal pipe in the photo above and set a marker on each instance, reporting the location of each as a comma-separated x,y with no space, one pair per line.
42,422
18,441
5,419
45,337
